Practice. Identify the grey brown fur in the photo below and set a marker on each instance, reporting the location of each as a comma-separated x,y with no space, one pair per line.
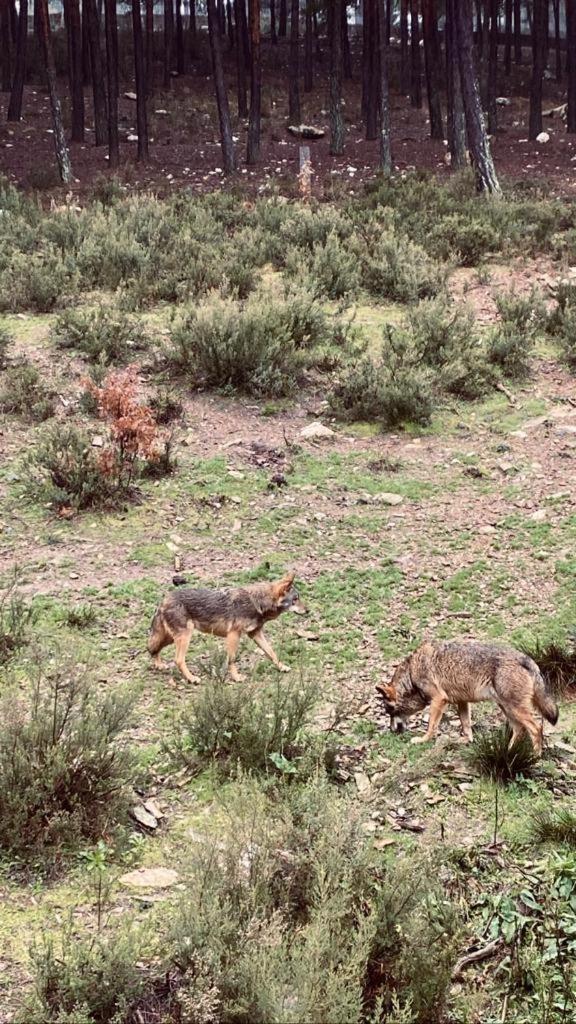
464,672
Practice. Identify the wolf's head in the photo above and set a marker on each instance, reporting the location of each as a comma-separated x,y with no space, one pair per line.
401,699
286,596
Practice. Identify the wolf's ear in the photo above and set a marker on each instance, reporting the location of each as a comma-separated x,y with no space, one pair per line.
388,691
282,588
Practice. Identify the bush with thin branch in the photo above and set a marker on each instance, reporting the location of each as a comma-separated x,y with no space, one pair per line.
105,335
556,660
17,616
25,393
492,756
554,825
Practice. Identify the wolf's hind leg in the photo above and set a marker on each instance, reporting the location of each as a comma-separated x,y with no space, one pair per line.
182,641
232,641
158,639
465,720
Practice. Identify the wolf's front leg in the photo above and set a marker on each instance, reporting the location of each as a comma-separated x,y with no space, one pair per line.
261,642
232,641
437,709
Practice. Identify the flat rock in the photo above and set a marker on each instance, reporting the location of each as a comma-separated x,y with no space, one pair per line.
306,131
317,431
543,137
150,878
487,530
152,807
130,96
363,784
143,817
388,498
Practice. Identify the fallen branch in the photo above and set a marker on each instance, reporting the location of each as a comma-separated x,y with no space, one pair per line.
476,956
509,395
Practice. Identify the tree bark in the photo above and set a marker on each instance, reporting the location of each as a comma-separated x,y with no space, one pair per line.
346,51
334,15
230,26
371,76
456,124
308,49
404,61
571,48
480,154
141,84
294,65
416,59
283,19
253,147
220,87
75,70
149,24
192,29
62,154
432,58
273,32
508,11
168,42
97,73
241,89
384,96
86,67
558,39
13,21
517,31
539,21
112,72
180,48
491,82
15,104
243,28
5,48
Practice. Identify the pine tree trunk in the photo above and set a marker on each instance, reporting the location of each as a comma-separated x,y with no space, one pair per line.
149,23
142,86
15,104
273,32
558,40
180,49
220,87
168,42
366,56
253,148
75,71
491,82
416,62
245,34
241,90
294,65
112,71
308,49
5,48
571,48
485,173
508,10
62,154
518,31
456,126
97,73
334,15
86,65
230,26
192,29
539,20
346,51
283,19
317,36
433,67
404,60
384,97
371,73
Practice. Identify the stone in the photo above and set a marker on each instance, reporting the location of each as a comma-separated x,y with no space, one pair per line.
503,101
538,516
130,96
152,807
150,878
143,817
306,131
388,498
363,784
98,441
317,431
487,530
543,137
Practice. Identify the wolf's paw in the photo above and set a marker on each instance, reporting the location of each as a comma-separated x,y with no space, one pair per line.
283,668
419,739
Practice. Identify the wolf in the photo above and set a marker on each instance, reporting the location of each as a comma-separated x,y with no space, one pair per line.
226,613
464,672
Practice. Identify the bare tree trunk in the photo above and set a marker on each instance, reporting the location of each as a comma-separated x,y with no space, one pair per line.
371,75
243,28
455,113
317,36
432,58
335,77
518,31
112,70
416,76
571,48
404,61
384,97
15,104
75,71
5,48
13,18
62,154
308,49
86,64
242,95
149,23
346,51
539,20
168,42
491,82
97,73
558,39
485,173
230,26
253,149
192,29
283,19
220,87
142,86
273,32
294,65
180,49
508,10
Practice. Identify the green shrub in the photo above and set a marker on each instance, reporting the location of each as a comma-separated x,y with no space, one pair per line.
510,351
258,728
554,825
557,662
36,281
465,238
395,268
490,753
333,268
64,471
17,617
25,394
447,340
80,616
104,335
166,407
63,768
5,343
562,321
393,391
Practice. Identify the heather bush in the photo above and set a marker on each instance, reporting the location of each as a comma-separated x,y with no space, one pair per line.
395,268
63,471
446,338
17,616
36,281
104,335
24,393
5,343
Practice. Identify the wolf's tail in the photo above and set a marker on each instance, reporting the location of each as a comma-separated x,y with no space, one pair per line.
542,699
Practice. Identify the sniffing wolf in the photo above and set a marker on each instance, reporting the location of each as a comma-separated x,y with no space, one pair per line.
225,613
464,672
